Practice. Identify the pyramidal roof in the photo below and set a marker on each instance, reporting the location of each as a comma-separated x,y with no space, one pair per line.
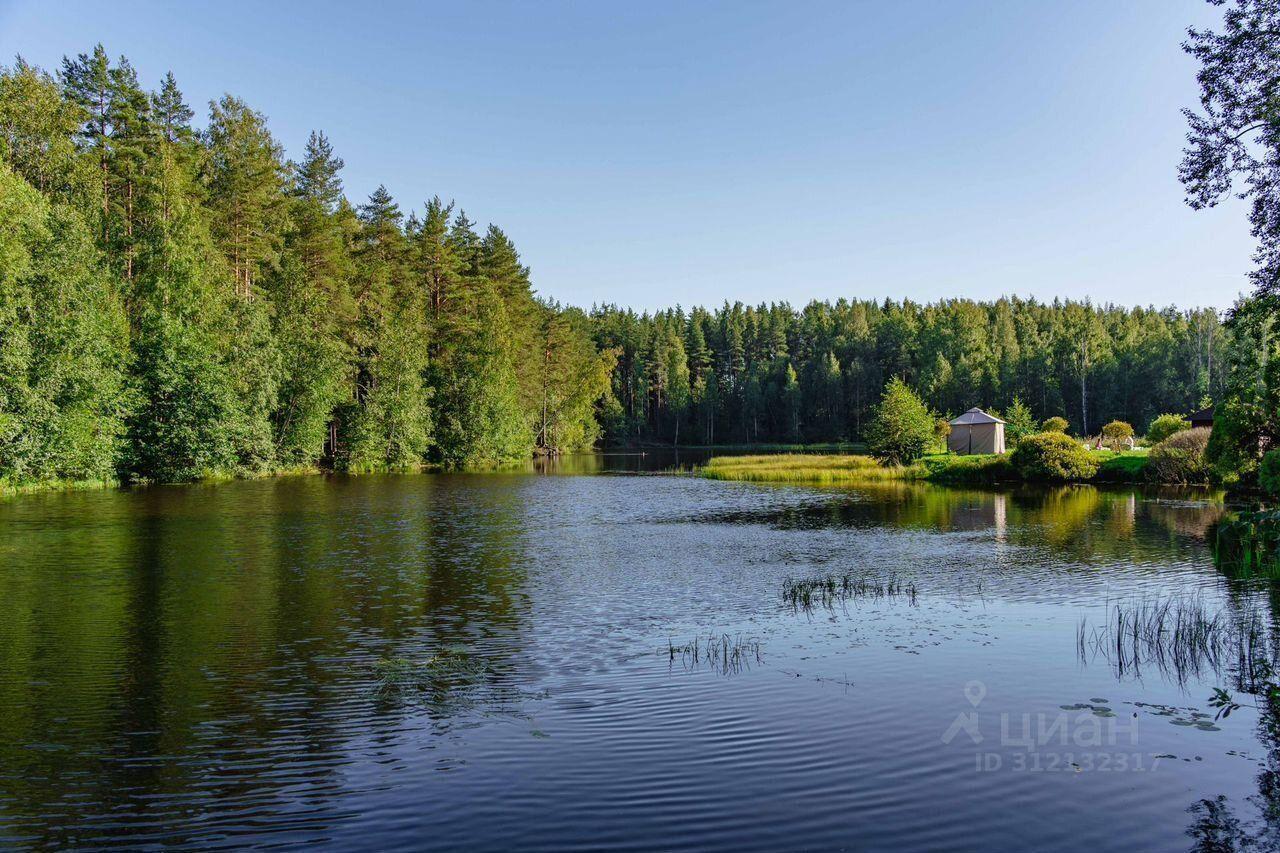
975,416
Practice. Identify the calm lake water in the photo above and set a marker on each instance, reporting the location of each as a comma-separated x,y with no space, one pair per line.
484,662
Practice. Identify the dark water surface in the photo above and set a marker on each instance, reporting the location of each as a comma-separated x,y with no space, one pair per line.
482,662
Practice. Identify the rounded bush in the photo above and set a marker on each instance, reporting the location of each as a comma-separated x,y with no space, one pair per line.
1054,424
1166,425
1053,456
1180,458
1269,472
1116,433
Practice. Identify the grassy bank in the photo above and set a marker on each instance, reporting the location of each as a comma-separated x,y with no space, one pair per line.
30,488
801,468
851,469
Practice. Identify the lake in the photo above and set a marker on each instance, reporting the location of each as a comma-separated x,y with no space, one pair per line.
579,658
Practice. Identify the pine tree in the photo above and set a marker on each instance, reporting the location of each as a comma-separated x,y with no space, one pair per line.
244,177
388,424
313,310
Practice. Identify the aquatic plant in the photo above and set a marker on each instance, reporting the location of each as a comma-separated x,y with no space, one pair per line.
1181,637
722,653
447,669
1248,543
831,589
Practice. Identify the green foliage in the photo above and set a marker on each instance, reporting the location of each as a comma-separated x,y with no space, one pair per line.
1166,425
1248,543
62,344
178,304
1247,420
902,428
1116,433
1054,424
1052,456
954,352
182,302
1181,458
1269,472
1019,422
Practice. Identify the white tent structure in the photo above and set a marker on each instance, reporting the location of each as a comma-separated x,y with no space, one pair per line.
976,432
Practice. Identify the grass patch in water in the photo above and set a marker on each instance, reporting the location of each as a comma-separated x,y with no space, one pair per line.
1181,638
830,590
724,654
442,670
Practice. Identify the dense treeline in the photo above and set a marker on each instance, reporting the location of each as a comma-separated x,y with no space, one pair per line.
774,374
179,302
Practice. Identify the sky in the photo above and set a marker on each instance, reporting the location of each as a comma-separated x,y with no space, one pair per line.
654,154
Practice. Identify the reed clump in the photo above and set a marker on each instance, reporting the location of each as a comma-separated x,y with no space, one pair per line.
720,652
1182,638
832,589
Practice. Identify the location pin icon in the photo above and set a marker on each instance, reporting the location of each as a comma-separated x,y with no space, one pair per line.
975,691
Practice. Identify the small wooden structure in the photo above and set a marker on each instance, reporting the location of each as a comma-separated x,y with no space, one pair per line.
976,432
1202,418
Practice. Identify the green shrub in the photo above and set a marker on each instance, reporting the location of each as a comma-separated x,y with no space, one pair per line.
1269,472
902,428
1054,424
1053,456
1180,458
1115,433
1019,422
1166,425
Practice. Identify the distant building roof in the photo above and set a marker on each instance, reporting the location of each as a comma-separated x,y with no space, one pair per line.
975,416
1202,415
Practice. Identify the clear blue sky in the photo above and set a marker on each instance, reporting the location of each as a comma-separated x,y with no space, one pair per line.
658,153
